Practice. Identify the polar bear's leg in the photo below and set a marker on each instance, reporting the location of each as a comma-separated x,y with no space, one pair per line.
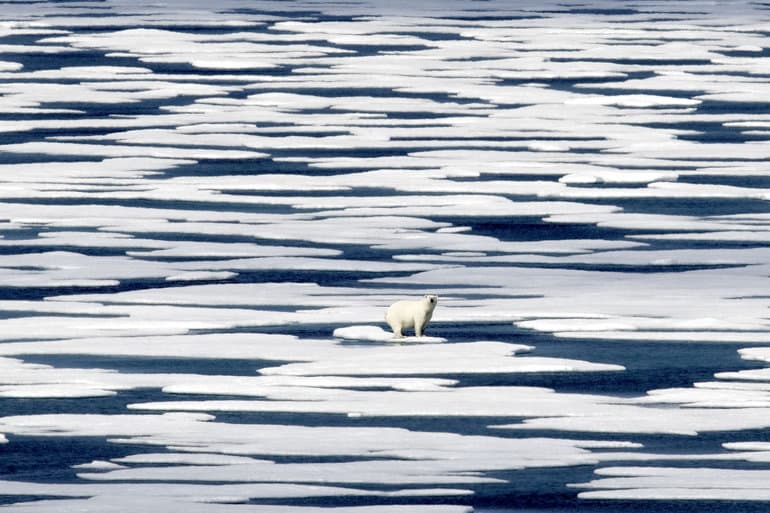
419,325
396,327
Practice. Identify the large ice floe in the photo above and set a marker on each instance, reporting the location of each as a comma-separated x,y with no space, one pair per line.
205,210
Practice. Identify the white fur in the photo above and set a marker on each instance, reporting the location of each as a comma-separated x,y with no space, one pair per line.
411,314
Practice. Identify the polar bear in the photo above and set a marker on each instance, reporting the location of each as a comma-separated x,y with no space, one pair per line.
411,314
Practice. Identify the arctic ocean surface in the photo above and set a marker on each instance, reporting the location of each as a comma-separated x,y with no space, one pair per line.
207,207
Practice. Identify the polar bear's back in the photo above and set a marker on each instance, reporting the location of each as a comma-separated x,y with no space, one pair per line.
403,312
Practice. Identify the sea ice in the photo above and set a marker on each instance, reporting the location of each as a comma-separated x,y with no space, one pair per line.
377,334
709,483
202,276
319,141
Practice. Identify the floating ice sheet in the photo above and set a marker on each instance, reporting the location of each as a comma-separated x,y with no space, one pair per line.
202,276
644,483
222,504
377,334
460,358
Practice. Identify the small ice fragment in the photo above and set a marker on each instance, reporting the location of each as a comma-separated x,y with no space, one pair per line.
202,276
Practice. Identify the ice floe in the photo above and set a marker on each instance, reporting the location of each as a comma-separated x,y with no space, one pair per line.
460,358
377,334
202,276
221,504
711,483
98,465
